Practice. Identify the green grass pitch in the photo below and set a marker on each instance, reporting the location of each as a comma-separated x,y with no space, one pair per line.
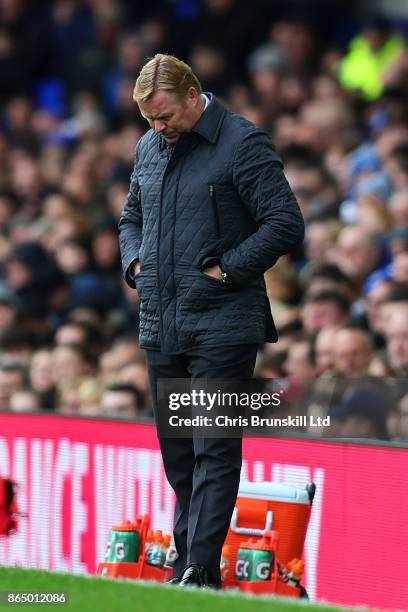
103,594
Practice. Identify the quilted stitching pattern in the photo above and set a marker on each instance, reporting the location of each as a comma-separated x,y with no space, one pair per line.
172,227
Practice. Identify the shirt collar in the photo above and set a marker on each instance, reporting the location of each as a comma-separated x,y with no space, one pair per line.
206,100
209,124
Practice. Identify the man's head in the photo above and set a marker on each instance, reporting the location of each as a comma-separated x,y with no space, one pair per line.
398,208
352,352
300,362
375,298
361,412
70,362
121,401
324,309
324,348
9,306
397,338
168,95
358,252
72,334
318,278
12,378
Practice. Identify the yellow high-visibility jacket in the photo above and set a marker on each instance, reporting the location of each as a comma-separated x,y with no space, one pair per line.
363,69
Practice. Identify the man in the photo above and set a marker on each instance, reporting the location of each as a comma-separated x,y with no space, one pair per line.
208,212
12,378
325,308
324,348
9,308
71,362
358,253
301,359
362,412
353,351
121,401
397,340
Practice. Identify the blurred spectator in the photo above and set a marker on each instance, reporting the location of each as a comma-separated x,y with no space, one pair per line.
369,56
209,64
18,343
270,365
300,362
12,379
375,297
403,418
362,413
398,207
25,400
121,401
324,348
135,374
124,351
9,307
80,333
68,400
71,333
42,378
320,240
30,273
70,363
324,309
358,253
317,278
230,25
352,353
90,392
397,341
396,165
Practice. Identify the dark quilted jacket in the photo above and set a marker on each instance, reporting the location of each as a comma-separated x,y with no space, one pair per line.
220,194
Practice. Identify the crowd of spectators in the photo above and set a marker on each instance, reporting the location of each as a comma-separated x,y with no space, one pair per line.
334,102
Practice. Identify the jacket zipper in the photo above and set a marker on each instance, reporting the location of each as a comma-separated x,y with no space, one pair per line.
161,335
215,210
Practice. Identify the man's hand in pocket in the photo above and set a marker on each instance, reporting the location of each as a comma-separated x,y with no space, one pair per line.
136,268
214,271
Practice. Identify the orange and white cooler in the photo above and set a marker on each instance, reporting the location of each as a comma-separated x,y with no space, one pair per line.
266,506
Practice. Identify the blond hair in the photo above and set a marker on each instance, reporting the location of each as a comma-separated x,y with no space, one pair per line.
165,73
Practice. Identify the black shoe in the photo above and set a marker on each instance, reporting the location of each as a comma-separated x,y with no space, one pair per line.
174,580
195,575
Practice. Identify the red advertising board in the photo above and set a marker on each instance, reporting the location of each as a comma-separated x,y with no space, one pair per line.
77,477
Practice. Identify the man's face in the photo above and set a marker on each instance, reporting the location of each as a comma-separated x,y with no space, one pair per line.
70,334
118,404
351,353
169,116
317,315
7,316
397,338
403,409
298,364
325,343
356,257
10,382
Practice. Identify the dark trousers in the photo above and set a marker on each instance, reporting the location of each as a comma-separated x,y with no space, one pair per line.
203,472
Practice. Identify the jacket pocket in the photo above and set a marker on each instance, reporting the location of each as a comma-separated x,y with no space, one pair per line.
213,280
199,292
147,290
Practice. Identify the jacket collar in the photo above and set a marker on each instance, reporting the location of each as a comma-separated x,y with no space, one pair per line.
209,124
